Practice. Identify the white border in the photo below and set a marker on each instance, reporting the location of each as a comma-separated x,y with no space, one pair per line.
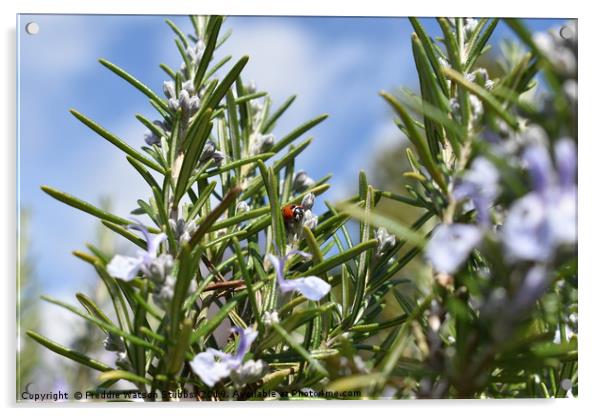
590,151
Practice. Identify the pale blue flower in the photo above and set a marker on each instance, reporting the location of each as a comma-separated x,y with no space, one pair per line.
480,76
208,150
213,365
534,285
218,157
310,220
450,245
122,361
479,185
312,287
188,102
546,218
526,232
126,267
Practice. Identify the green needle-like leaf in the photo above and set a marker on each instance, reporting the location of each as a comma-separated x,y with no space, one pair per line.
312,244
68,353
229,166
178,32
177,356
84,206
123,375
92,308
418,141
201,200
213,216
248,282
271,185
334,261
195,142
289,138
136,83
117,141
229,79
479,45
101,323
485,96
402,339
299,348
209,326
270,122
392,226
213,30
430,52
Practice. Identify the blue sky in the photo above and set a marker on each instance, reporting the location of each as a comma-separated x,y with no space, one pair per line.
334,65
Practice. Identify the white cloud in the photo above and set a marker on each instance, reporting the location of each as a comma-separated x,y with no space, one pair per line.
287,59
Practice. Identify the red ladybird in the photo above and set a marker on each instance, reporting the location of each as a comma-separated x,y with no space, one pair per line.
292,213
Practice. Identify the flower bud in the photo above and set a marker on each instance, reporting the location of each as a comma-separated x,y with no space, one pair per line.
308,201
385,241
310,220
260,143
271,318
242,207
114,343
189,87
302,181
169,89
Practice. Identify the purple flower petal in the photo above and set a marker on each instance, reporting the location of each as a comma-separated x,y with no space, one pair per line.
312,287
533,287
566,161
247,336
278,264
124,267
154,243
480,186
450,245
539,165
208,369
297,252
526,233
211,370
562,215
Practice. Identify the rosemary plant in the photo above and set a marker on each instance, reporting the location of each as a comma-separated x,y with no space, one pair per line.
499,316
239,291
